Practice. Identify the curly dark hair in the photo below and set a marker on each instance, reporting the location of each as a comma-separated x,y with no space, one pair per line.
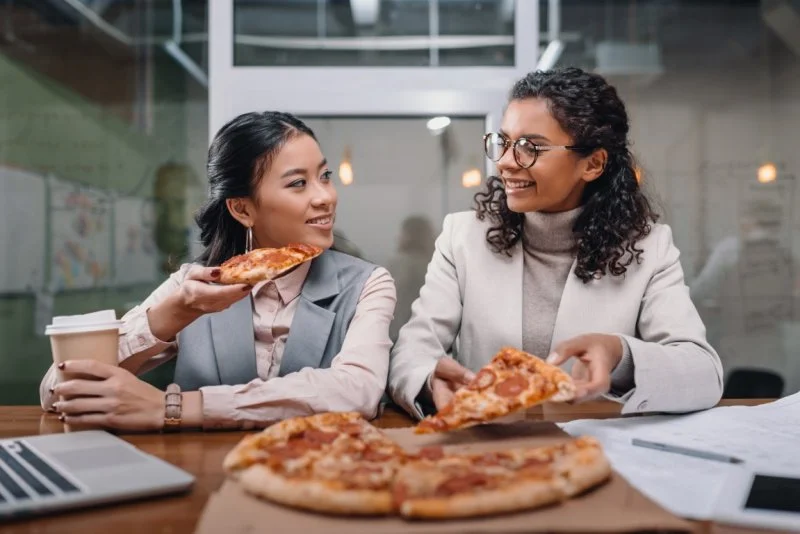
616,213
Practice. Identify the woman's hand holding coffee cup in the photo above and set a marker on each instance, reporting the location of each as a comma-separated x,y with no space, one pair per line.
114,398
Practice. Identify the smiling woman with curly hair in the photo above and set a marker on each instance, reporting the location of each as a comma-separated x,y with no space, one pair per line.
616,214
562,256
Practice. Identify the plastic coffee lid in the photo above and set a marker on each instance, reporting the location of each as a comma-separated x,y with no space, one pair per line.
88,322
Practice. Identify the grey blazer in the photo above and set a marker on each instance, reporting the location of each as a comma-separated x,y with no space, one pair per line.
219,348
471,306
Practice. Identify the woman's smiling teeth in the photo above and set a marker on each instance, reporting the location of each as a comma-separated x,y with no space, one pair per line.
518,184
326,219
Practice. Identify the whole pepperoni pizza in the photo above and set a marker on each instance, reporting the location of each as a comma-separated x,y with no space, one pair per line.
340,464
513,380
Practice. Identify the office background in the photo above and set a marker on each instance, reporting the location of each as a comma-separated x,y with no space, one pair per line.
107,107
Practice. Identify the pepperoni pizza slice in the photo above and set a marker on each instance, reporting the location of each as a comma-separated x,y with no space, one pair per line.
512,381
332,462
447,486
265,263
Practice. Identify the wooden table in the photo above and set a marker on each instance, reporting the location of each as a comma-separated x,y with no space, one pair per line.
201,454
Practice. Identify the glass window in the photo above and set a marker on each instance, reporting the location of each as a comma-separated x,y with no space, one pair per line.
103,140
103,136
392,33
713,91
399,180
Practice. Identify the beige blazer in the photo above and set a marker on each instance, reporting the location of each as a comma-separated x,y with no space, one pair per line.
471,306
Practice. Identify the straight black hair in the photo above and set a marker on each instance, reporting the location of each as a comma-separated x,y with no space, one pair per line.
240,153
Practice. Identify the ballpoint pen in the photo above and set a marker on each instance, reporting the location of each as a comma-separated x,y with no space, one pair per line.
706,455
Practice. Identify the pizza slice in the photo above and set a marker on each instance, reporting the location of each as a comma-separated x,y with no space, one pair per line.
468,485
265,263
513,380
333,462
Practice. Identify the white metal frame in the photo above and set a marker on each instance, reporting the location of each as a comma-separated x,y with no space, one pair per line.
363,91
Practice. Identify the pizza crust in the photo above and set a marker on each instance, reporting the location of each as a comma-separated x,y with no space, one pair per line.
314,495
566,392
565,386
586,471
525,495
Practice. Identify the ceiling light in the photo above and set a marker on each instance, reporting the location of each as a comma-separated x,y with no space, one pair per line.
346,167
438,123
365,12
550,56
767,173
471,178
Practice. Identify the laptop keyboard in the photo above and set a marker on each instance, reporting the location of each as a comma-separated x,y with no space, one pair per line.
25,475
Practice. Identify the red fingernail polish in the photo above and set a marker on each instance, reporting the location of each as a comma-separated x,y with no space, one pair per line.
215,273
61,365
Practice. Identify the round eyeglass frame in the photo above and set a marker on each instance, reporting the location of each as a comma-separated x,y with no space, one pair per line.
537,149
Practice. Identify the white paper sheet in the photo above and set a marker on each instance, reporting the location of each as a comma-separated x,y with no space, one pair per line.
766,437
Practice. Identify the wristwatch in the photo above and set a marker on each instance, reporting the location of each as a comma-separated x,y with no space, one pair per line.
172,408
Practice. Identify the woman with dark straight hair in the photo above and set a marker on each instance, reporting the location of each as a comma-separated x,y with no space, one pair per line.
565,259
313,340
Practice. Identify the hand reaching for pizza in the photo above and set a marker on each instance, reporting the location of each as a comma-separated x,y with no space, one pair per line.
596,356
448,377
199,296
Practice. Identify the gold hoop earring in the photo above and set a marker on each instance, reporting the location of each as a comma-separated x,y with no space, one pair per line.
248,240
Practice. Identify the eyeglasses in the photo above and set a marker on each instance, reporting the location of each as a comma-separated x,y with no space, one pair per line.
526,152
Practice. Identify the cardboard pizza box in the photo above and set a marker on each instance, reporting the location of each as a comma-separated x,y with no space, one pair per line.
613,507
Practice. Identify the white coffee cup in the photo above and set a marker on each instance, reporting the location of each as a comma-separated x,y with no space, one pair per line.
92,336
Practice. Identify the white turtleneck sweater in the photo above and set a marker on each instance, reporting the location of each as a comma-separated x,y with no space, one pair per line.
550,247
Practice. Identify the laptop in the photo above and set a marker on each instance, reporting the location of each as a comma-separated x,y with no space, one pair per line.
43,474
